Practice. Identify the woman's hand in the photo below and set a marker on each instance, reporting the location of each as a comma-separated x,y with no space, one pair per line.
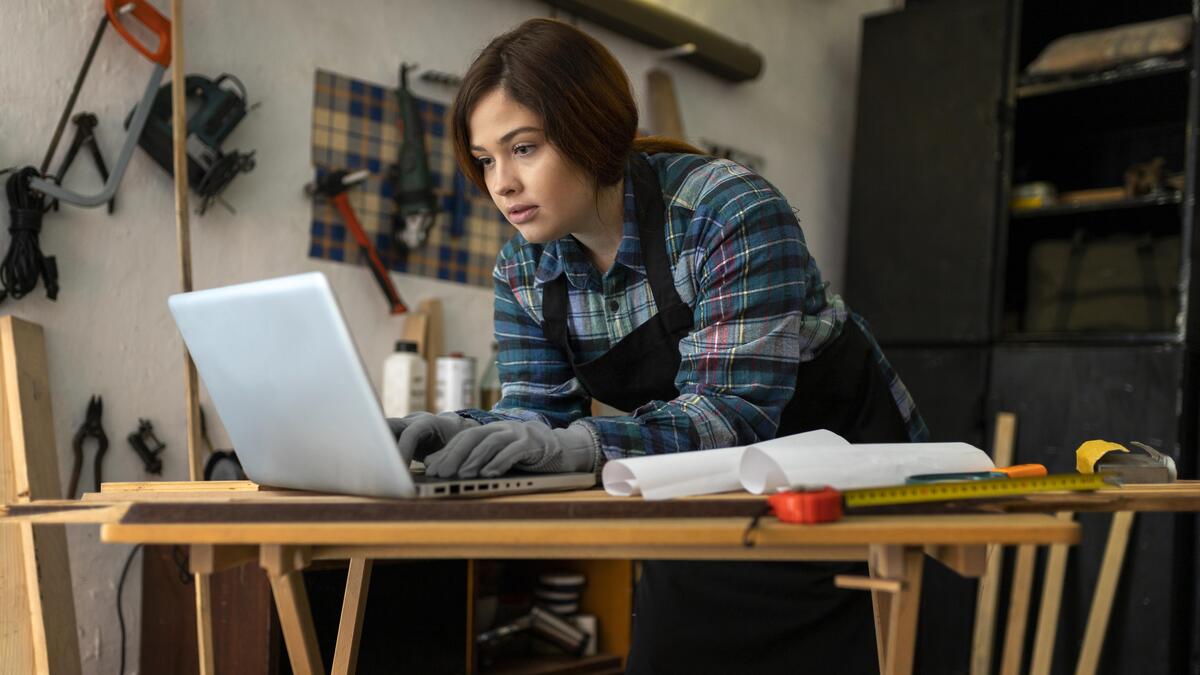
492,449
421,433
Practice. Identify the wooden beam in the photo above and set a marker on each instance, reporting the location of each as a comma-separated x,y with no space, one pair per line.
983,640
1047,625
1106,588
37,607
1018,610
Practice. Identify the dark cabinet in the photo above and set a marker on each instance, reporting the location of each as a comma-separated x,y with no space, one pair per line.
1025,241
926,169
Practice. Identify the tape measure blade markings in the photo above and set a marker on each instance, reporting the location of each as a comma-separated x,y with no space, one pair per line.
973,489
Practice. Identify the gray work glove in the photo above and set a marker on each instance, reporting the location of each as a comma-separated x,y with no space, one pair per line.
421,433
492,449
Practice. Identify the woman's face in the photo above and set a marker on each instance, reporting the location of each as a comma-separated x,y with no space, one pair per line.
542,194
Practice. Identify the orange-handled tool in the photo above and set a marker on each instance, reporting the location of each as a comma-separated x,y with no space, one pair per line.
149,17
1022,470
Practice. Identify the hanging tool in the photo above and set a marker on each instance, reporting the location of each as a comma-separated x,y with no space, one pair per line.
147,446
412,186
85,134
1147,466
91,428
161,27
333,186
24,262
214,111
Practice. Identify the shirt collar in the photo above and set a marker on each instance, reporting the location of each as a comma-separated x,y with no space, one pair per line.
566,255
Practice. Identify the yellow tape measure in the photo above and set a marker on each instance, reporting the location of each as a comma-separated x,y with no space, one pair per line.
972,489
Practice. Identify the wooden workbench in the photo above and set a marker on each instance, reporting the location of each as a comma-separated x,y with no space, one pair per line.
230,524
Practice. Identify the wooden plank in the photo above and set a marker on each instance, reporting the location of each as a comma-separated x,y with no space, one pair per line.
57,511
1106,588
1047,625
431,308
665,116
35,557
600,552
354,604
983,637
176,486
1018,610
161,523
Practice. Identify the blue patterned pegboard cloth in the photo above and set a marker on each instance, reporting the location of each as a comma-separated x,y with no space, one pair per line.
357,125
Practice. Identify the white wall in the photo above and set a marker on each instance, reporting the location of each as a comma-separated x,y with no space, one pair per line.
110,333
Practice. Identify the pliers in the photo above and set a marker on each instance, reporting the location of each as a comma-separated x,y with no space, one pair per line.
91,429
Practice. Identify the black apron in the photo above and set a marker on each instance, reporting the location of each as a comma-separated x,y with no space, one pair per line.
745,617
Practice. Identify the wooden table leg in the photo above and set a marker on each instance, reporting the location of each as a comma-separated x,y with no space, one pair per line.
354,603
1106,588
896,612
1018,610
285,569
1047,625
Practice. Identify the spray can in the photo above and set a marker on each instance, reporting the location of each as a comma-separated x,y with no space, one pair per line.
455,382
404,381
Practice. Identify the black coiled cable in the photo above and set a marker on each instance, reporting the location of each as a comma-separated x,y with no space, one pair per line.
24,262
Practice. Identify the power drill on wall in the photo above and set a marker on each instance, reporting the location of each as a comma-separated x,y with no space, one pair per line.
214,111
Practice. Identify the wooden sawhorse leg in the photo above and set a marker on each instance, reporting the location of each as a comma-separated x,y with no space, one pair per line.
358,580
284,566
895,586
285,570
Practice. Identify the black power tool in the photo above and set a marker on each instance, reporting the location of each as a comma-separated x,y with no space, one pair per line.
214,111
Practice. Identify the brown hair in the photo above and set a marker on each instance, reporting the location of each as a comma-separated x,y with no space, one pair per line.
574,84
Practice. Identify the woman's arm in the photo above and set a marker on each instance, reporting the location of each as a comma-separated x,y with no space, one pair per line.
537,381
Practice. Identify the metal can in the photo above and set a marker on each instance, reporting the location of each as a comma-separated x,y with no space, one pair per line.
455,382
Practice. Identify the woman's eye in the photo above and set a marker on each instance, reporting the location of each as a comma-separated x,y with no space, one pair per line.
522,150
484,161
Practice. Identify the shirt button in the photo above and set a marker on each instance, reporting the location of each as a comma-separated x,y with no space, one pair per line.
613,305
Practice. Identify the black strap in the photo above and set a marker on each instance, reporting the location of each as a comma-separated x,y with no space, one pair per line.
651,218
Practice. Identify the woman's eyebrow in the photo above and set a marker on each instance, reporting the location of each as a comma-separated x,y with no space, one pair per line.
507,137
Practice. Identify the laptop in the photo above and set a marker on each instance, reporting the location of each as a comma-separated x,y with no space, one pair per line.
284,374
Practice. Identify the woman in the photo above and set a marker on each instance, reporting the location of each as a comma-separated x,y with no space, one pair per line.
673,285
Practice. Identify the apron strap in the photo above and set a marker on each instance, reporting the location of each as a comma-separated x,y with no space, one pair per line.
648,204
649,210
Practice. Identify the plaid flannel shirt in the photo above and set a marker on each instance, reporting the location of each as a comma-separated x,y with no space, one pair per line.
739,260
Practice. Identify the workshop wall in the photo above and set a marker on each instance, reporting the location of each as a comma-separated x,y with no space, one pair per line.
110,333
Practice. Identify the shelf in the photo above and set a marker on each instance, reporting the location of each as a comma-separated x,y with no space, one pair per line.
1098,339
1029,87
557,665
1152,200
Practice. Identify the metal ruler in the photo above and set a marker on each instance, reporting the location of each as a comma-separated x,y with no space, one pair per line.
972,489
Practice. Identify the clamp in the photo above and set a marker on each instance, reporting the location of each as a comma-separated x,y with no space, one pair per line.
147,446
91,428
85,134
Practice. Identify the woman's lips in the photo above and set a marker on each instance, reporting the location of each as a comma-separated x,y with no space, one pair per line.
522,215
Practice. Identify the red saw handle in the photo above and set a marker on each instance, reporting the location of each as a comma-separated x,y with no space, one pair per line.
149,17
